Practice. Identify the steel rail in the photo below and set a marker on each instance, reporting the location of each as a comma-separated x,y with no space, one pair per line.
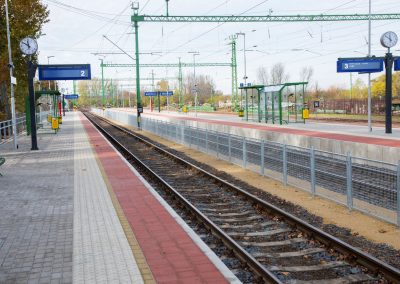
242,254
372,263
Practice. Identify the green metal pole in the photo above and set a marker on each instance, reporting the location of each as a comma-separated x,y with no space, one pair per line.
112,93
180,78
234,74
137,72
280,107
103,96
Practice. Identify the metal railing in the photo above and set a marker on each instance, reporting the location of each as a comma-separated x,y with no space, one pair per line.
6,132
366,185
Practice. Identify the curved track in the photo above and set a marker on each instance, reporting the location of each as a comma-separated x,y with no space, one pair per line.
276,246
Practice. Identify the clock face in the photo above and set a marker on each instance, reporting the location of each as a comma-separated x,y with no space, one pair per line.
389,39
28,46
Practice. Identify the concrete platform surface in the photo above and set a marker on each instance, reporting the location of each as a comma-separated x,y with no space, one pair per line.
76,212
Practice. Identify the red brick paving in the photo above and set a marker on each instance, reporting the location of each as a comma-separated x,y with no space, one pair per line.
172,255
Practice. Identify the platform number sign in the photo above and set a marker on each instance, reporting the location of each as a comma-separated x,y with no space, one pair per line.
64,72
397,64
366,65
316,104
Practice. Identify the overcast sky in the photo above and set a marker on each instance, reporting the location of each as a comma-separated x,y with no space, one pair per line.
76,30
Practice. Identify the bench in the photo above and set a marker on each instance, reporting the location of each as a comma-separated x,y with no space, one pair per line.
2,161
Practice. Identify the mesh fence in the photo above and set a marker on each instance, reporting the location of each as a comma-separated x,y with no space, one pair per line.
366,185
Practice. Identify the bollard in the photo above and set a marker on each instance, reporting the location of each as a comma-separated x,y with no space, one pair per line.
284,165
262,166
312,169
349,178
244,153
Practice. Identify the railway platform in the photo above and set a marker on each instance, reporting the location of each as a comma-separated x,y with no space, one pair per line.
76,211
338,138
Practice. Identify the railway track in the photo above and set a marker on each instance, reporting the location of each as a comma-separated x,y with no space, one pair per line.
276,246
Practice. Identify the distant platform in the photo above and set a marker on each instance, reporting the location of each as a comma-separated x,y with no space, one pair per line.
338,138
76,211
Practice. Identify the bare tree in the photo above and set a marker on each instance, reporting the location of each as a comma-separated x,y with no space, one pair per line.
278,74
262,75
306,74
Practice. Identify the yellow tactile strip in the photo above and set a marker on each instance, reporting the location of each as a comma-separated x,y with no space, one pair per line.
141,261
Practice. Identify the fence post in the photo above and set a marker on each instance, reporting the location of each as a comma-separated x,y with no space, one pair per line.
229,148
207,140
262,157
217,144
349,177
190,137
244,152
284,164
183,134
398,194
312,168
198,138
157,127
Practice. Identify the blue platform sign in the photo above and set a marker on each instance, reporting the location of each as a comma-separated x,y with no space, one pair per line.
71,97
397,64
154,94
151,94
360,65
64,72
167,94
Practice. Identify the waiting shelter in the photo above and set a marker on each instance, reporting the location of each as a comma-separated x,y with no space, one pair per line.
276,104
55,113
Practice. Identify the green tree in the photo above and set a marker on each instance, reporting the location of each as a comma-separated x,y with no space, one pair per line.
27,18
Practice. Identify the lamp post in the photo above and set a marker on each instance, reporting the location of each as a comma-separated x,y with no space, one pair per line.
369,74
11,66
195,53
244,56
48,63
102,82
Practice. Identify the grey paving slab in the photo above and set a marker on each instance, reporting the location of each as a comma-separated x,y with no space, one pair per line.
36,209
101,251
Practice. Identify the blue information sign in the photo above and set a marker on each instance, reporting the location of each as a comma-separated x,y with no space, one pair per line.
166,94
360,65
64,72
397,64
151,94
154,94
71,97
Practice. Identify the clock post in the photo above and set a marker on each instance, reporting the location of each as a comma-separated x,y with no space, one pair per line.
388,97
388,40
31,74
29,47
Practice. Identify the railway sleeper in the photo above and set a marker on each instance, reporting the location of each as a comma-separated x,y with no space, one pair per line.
244,213
237,220
355,278
261,255
259,234
275,243
319,267
247,226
